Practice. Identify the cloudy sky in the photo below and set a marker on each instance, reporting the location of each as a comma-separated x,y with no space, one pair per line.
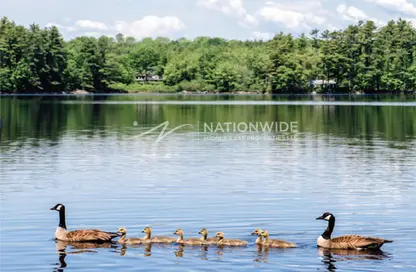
231,19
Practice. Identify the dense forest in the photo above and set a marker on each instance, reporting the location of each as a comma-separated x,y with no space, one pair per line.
362,57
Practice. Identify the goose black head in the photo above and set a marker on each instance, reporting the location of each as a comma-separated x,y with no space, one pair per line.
58,207
326,216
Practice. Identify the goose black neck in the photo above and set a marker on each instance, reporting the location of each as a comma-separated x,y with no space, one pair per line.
327,233
62,222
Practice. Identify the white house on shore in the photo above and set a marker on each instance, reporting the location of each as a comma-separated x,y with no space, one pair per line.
322,83
148,77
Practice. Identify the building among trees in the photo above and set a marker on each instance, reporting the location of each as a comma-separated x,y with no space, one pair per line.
148,78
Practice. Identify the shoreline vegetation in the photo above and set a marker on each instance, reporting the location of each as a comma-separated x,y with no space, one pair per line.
360,59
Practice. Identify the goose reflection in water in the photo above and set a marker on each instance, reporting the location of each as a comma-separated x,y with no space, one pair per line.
331,256
179,252
76,248
204,253
62,264
147,252
262,254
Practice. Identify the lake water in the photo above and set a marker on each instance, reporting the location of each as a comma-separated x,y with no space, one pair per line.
354,156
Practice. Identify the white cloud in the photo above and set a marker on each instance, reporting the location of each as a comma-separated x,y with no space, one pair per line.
67,28
351,13
150,26
263,36
71,28
91,24
93,34
289,18
294,14
231,8
403,6
53,24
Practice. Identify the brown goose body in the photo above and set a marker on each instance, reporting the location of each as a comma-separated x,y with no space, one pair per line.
188,241
347,241
86,235
229,242
275,242
205,239
156,239
352,242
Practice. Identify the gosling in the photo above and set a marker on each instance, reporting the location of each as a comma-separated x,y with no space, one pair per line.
259,240
228,242
129,241
156,239
189,241
205,239
275,243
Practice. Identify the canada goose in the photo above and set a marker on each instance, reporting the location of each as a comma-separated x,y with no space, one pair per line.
275,242
189,241
347,241
259,240
228,242
157,239
205,239
88,235
129,241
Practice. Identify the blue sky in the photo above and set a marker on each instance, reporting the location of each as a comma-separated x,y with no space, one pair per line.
231,19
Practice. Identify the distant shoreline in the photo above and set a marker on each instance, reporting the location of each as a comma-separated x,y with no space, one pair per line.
86,93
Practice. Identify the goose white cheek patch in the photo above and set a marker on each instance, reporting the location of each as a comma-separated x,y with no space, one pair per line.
327,218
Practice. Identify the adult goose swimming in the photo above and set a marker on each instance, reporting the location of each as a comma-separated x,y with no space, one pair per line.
347,241
87,235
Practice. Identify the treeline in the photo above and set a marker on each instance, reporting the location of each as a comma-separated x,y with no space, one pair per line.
361,57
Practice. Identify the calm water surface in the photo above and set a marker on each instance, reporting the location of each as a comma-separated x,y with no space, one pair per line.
352,159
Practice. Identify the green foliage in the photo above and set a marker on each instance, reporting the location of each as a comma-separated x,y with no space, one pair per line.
360,57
